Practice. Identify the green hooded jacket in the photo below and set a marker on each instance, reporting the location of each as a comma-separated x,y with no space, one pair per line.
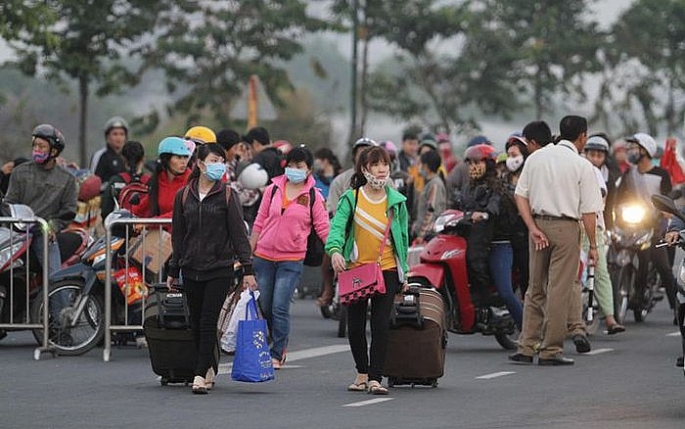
339,242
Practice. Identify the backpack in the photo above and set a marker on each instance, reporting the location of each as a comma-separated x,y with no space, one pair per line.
134,185
315,247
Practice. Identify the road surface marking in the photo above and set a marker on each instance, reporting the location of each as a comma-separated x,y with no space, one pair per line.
673,334
495,375
225,368
369,402
598,352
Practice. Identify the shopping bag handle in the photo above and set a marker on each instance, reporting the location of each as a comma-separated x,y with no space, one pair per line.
251,308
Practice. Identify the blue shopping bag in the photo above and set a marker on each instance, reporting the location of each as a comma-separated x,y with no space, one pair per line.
252,362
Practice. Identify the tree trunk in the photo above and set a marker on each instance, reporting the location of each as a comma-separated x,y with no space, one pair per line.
83,118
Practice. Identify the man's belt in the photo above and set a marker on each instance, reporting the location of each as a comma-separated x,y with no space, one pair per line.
548,217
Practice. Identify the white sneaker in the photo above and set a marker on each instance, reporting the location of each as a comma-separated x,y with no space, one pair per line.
141,342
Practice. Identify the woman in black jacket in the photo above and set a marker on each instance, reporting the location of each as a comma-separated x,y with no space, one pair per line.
208,236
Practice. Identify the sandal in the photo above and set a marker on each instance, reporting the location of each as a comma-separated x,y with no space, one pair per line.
361,383
199,385
375,388
615,329
209,378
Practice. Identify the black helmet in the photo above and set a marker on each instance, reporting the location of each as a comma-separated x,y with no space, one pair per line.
52,135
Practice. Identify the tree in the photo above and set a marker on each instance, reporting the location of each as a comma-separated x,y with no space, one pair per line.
91,39
645,80
410,25
209,50
545,48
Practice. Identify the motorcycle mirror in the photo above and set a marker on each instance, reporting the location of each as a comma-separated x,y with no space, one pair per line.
135,199
666,204
675,194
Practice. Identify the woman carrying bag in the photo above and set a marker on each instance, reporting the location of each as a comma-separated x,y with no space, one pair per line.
208,236
364,216
290,210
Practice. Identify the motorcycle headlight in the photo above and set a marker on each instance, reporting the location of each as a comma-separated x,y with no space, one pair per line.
633,214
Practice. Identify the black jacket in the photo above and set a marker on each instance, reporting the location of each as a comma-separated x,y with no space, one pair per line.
107,163
209,235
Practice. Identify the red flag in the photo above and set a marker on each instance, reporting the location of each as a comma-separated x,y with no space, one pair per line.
672,162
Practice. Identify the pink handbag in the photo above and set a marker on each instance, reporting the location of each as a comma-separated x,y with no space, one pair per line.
365,280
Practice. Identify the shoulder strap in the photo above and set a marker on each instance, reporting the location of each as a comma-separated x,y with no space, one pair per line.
385,235
184,197
126,176
227,191
312,197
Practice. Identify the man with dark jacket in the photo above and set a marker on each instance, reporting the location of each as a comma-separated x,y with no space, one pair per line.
107,162
270,158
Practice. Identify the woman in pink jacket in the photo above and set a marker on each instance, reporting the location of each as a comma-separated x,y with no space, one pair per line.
279,242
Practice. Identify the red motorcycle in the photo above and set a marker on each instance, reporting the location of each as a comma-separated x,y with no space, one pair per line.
443,266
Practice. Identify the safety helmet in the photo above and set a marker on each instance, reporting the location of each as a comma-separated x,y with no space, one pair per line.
364,141
51,134
515,138
283,146
389,146
173,146
646,141
116,122
253,176
478,140
201,135
597,143
480,152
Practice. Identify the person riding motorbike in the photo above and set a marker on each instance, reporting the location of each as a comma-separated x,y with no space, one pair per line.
48,189
107,161
480,198
640,182
672,236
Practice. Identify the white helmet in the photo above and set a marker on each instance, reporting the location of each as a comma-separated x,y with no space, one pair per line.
646,141
253,176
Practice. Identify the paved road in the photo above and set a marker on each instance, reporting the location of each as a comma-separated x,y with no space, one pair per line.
630,383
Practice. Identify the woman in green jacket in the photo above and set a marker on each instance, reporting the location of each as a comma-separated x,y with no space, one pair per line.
354,239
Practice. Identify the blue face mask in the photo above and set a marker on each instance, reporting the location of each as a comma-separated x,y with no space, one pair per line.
295,175
215,170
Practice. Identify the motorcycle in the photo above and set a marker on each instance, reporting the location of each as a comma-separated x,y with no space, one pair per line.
76,297
21,275
443,266
667,205
631,235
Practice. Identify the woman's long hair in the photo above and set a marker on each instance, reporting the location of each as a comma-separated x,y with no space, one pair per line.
367,158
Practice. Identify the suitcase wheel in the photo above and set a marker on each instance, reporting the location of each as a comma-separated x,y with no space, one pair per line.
434,384
391,382
164,381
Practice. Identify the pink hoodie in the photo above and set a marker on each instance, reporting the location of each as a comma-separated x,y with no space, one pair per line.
283,233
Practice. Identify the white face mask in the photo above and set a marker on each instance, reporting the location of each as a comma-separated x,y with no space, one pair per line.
514,163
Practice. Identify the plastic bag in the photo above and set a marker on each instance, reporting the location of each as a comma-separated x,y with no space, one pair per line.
239,312
252,362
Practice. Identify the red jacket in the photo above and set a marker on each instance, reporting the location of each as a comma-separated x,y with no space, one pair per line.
166,192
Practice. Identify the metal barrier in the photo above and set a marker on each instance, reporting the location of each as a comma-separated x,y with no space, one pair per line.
10,261
142,245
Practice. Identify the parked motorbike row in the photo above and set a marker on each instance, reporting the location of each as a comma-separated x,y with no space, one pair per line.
76,291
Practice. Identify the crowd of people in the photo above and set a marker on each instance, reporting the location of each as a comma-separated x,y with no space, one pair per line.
251,200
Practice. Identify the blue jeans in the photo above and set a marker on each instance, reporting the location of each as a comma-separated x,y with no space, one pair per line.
277,282
54,256
501,260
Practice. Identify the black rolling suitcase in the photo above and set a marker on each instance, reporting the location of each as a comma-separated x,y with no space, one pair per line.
169,336
417,339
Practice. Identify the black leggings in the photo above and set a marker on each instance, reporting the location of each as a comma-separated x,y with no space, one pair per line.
205,299
381,306
659,257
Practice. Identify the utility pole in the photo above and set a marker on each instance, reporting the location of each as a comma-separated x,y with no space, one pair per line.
355,60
